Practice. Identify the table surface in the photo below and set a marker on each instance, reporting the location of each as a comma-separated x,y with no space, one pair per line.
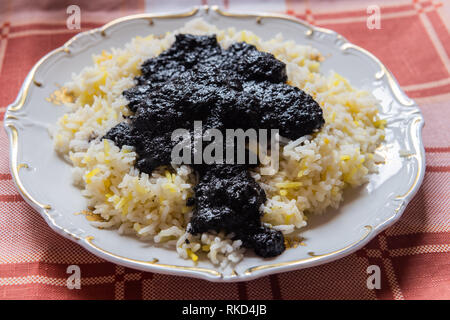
413,255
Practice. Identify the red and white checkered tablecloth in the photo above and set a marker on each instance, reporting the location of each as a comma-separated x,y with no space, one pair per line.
414,254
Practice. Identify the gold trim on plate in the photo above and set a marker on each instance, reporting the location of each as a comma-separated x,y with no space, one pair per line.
146,16
259,16
312,257
417,155
15,167
383,72
17,105
154,262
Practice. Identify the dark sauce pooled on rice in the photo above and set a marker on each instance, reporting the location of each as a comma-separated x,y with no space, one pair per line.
239,87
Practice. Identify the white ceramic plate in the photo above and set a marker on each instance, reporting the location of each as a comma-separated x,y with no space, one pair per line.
44,180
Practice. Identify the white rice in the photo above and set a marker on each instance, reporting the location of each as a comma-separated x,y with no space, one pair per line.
313,172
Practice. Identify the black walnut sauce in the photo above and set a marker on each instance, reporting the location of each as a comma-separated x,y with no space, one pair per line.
240,87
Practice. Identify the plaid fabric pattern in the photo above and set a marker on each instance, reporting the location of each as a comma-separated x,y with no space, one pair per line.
413,255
